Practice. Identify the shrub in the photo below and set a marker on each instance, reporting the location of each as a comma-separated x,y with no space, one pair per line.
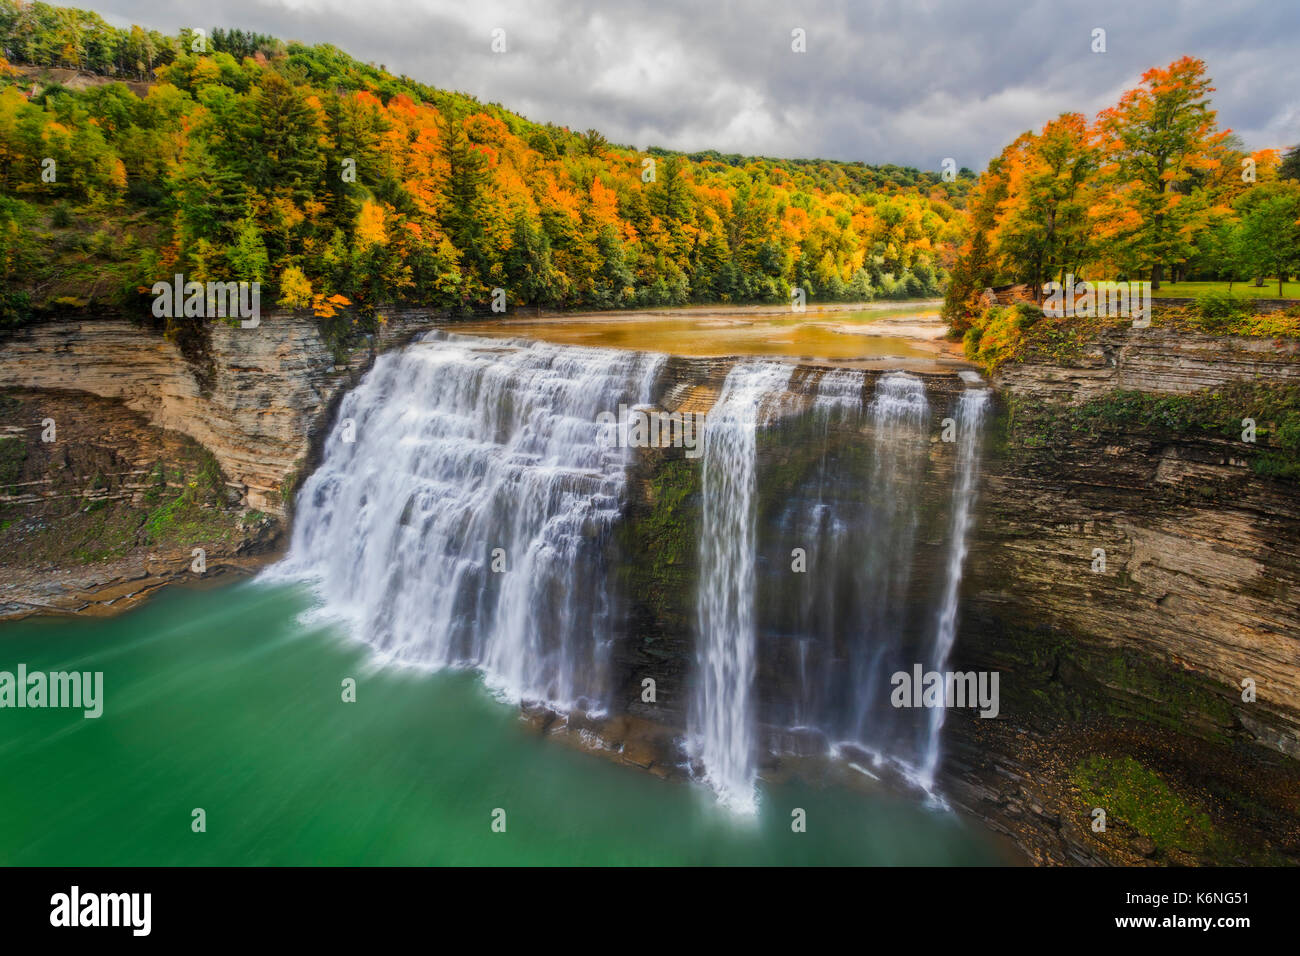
1000,337
1027,315
1220,311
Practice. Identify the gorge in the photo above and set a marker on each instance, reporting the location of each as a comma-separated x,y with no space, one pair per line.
464,504
532,435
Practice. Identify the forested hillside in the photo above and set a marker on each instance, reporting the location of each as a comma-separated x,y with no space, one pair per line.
229,155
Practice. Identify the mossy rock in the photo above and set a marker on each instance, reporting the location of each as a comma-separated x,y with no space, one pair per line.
1135,796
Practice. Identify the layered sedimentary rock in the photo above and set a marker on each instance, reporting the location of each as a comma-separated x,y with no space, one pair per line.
1155,359
658,542
1134,584
256,398
1200,588
1201,553
119,395
98,508
1143,660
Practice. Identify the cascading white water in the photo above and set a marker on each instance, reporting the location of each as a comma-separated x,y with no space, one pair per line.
722,726
856,517
461,513
831,639
970,419
822,532
900,419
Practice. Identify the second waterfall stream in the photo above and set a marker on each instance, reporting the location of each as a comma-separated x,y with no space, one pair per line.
467,508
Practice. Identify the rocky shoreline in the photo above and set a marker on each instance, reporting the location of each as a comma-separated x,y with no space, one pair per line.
102,590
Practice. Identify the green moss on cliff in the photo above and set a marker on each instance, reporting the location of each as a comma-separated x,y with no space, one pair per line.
1134,795
13,452
1060,677
1164,695
1219,414
196,515
669,527
659,547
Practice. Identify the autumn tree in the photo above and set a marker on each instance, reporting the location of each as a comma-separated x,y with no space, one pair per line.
975,268
1290,168
529,272
593,142
303,168
1223,252
1154,142
1043,222
463,192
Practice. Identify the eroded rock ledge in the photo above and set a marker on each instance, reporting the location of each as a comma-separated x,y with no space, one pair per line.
124,401
257,398
1202,553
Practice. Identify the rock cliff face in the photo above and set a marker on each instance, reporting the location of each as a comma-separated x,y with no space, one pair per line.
659,541
98,508
1137,665
99,517
1126,579
256,398
1201,553
1158,360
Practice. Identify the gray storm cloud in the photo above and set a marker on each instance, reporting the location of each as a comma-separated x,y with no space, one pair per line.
902,81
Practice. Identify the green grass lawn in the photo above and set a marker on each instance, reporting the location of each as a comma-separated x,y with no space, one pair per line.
1190,290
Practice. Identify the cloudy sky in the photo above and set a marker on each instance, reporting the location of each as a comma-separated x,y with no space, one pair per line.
903,81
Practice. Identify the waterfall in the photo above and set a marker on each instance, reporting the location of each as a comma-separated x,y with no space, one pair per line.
851,615
868,511
970,418
462,512
722,730
900,421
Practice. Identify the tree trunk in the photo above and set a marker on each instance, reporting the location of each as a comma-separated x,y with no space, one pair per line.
1155,276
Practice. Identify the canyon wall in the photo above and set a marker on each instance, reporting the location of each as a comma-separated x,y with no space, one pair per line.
1159,360
657,549
1126,579
159,448
1137,664
256,398
1201,553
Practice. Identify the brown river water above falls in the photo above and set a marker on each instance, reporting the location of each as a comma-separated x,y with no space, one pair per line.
903,334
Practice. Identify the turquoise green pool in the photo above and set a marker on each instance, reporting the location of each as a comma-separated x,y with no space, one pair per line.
224,700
